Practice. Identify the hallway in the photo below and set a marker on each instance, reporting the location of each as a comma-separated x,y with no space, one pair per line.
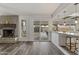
30,48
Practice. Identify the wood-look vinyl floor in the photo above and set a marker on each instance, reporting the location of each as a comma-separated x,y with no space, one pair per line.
29,48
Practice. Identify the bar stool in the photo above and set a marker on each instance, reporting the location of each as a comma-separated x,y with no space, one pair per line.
71,43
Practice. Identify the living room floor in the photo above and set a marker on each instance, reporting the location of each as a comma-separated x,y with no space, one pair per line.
29,48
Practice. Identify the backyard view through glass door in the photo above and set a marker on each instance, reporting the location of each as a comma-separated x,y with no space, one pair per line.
40,30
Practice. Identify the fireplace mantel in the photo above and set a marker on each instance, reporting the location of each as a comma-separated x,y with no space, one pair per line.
7,26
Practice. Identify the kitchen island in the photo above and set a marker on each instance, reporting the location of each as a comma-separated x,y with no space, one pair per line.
62,39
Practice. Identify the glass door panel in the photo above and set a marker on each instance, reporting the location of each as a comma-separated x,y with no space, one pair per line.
36,25
44,30
40,30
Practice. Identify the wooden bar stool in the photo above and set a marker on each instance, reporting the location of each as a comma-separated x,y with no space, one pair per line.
71,43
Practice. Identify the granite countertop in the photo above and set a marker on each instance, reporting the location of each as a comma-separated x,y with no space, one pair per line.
70,34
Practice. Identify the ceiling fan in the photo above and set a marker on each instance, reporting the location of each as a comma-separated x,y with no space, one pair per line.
66,17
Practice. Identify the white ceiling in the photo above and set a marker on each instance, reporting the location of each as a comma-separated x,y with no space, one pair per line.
69,11
27,8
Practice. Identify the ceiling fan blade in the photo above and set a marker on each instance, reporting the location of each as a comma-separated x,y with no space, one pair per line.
66,17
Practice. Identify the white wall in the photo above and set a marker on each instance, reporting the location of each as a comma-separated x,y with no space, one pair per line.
30,29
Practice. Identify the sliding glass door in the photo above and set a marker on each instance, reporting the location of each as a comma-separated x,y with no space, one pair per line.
40,30
44,30
36,26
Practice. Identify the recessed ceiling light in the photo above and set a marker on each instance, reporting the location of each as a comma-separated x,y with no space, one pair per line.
76,21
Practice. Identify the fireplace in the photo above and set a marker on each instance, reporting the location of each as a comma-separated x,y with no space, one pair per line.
8,32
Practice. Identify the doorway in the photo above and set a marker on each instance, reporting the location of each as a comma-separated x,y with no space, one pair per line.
41,30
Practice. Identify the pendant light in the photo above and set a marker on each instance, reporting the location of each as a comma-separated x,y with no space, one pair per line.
76,13
58,24
64,21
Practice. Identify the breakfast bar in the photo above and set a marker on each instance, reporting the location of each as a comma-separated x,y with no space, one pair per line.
68,40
